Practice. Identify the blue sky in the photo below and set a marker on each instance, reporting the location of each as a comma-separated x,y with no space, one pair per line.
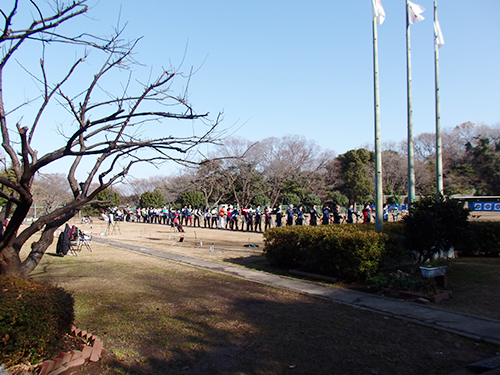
302,67
306,67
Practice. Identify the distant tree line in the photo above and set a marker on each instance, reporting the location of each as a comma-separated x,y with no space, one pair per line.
294,170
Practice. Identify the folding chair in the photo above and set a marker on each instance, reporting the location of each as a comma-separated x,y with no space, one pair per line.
81,241
85,240
73,247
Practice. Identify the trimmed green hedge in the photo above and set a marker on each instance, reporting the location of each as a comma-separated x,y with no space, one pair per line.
483,239
353,252
350,252
33,319
395,251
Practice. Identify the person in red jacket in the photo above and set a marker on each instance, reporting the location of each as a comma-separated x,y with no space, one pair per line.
366,213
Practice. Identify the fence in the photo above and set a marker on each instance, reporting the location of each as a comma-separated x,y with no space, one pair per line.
484,206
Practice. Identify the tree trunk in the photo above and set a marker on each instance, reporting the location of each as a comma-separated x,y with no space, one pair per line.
37,252
10,260
10,263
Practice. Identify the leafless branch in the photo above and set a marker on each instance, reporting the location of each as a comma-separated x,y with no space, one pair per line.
109,129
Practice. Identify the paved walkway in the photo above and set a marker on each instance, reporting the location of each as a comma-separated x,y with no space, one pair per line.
476,328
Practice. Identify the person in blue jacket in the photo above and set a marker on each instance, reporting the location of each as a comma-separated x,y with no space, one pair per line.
289,215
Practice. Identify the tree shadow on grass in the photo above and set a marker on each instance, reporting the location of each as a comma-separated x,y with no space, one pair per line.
258,262
199,322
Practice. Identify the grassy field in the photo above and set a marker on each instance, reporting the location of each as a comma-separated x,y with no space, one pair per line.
158,317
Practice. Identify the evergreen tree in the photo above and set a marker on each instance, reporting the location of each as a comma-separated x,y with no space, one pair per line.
484,159
356,185
151,199
193,198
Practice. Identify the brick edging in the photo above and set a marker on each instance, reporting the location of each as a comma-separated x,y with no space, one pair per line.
66,360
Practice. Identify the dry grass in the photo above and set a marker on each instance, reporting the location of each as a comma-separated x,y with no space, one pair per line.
474,283
157,317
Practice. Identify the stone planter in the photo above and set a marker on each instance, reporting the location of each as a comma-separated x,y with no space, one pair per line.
429,272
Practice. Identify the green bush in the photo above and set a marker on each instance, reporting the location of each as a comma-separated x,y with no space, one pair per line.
33,319
336,198
435,225
376,282
395,250
350,252
402,281
483,240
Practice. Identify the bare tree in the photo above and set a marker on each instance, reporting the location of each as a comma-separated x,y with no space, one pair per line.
284,159
109,133
425,147
240,179
395,172
136,186
424,178
210,180
174,187
50,191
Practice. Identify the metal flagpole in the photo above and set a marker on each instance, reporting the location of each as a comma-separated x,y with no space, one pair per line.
379,218
411,164
439,155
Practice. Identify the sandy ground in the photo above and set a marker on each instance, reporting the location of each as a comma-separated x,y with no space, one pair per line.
206,243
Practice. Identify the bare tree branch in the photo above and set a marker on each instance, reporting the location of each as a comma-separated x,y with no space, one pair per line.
112,130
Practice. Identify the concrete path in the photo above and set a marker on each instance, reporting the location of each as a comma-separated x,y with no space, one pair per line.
476,328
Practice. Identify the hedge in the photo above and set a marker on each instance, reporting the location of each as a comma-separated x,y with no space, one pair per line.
34,317
350,252
483,239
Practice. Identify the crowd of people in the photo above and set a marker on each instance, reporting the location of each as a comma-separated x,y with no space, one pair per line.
246,218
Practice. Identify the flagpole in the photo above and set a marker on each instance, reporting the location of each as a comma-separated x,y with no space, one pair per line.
379,218
411,168
439,155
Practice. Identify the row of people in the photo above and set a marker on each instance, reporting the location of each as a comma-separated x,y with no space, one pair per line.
229,217
327,216
248,218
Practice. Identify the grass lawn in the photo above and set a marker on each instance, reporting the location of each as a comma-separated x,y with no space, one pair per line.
474,283
158,317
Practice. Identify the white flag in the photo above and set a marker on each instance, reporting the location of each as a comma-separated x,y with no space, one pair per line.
378,12
438,35
414,13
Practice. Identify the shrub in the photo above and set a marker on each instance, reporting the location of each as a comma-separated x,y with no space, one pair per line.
395,250
377,282
336,198
435,225
33,319
350,252
402,281
483,240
